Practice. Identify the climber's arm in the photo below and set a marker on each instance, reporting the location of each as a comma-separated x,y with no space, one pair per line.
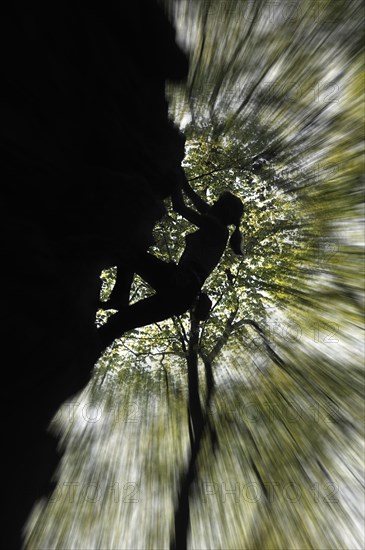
180,207
199,203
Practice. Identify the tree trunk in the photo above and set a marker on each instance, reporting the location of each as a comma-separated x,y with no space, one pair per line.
197,424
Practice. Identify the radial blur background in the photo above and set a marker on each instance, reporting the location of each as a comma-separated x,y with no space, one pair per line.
272,110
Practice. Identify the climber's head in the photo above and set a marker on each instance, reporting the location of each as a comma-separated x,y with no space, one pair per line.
229,209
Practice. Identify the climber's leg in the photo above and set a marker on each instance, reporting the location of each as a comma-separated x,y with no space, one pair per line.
119,296
156,308
158,274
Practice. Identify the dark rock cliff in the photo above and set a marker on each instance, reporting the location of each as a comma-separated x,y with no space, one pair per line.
87,155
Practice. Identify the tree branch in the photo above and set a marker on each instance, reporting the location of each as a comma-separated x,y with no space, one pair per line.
182,337
221,342
272,353
130,350
219,169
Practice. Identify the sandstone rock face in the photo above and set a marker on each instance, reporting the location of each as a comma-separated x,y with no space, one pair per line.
87,156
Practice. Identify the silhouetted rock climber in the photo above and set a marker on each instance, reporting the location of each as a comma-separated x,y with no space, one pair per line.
177,286
120,294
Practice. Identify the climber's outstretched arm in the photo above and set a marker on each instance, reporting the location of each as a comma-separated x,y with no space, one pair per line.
180,207
198,202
